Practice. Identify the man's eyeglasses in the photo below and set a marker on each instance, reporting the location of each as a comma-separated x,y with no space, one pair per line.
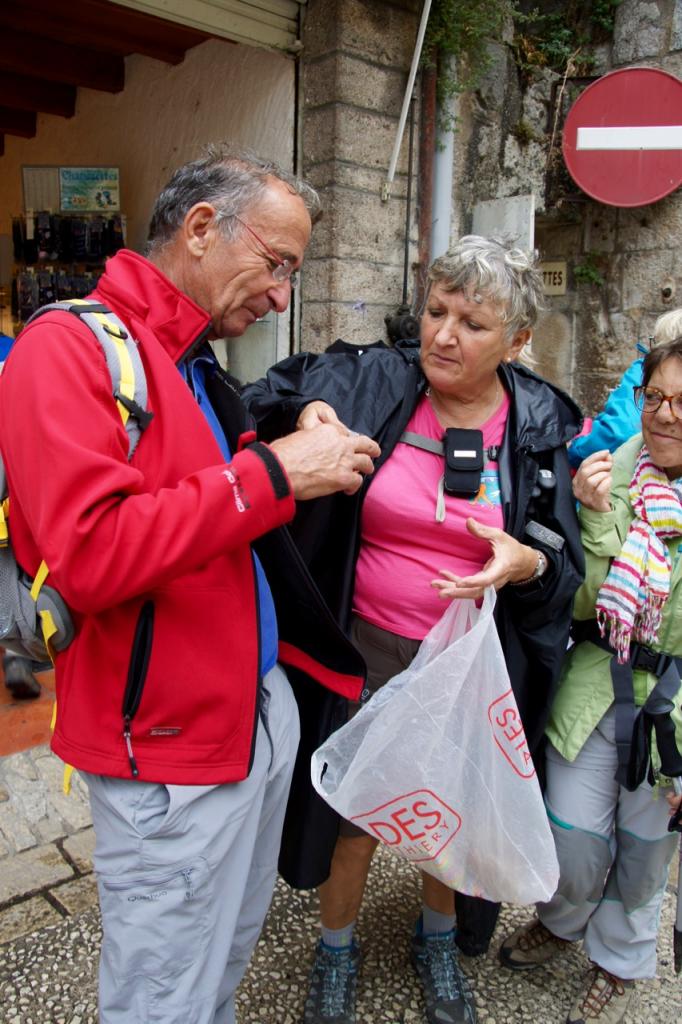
650,400
283,269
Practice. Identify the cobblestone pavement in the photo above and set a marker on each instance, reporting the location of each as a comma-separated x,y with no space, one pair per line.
50,931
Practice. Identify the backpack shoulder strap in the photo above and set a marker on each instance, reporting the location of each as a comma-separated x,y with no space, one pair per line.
128,380
427,444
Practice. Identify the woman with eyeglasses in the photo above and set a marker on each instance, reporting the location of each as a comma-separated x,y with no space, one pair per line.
615,730
620,417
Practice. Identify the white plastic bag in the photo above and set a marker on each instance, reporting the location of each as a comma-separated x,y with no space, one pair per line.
436,767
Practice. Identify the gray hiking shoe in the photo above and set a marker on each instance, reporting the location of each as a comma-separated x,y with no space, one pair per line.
333,980
530,946
604,998
447,993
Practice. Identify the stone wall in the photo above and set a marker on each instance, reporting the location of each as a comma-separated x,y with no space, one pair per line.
355,62
510,137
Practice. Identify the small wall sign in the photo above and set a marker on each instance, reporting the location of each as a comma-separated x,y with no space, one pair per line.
553,277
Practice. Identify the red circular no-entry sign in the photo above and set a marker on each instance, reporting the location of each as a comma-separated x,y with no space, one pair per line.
623,137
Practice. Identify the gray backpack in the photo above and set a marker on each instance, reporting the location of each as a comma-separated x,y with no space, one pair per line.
34,620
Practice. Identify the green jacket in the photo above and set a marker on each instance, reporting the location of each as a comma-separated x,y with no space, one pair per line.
585,691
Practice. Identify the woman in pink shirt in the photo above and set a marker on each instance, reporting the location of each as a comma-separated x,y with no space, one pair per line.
498,512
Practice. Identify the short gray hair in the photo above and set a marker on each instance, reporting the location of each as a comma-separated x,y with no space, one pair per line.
667,327
231,181
493,270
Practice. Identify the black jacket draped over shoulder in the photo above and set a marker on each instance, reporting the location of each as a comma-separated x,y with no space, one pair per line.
375,391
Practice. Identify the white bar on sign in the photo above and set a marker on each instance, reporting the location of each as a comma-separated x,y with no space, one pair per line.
655,136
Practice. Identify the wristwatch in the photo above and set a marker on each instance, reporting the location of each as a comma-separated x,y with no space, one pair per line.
539,570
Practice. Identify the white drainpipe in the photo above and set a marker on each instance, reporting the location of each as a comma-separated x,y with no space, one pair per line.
441,200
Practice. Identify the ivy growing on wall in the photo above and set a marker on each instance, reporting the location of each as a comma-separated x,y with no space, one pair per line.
589,270
555,34
459,31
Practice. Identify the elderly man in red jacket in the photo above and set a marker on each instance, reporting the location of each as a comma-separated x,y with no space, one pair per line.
170,699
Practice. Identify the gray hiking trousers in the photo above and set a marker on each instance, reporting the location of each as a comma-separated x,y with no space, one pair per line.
614,852
185,877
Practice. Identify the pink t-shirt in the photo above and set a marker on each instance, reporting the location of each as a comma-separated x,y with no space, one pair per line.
403,545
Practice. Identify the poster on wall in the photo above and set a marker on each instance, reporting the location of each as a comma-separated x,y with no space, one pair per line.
88,189
41,188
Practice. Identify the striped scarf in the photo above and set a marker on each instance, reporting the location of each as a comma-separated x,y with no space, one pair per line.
632,596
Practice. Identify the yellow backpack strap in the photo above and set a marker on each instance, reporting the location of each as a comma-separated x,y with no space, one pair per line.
68,769
39,579
47,623
113,337
4,526
49,629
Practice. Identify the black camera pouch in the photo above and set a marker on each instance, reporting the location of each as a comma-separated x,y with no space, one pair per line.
463,462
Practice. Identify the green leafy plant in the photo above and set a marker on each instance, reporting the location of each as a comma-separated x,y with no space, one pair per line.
589,271
523,133
603,14
559,35
461,30
555,34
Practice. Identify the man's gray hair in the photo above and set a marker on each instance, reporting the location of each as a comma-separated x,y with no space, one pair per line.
231,181
493,270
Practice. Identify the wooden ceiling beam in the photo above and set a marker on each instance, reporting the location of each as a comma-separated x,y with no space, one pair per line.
94,27
25,93
18,122
22,53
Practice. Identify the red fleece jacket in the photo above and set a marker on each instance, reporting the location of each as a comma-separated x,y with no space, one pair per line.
172,528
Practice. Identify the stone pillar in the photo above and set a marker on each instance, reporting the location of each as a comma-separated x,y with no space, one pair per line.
355,61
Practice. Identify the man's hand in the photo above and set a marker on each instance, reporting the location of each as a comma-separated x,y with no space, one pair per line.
592,482
321,460
318,412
